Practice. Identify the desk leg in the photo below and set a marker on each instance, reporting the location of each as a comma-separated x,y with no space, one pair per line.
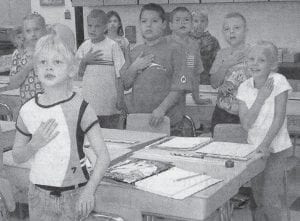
225,211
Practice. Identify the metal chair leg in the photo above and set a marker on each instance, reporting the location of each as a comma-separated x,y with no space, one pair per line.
226,211
192,124
285,196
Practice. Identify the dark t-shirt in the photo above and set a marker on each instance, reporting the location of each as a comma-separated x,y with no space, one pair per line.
153,84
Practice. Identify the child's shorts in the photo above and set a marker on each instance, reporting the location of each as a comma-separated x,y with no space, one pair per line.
46,206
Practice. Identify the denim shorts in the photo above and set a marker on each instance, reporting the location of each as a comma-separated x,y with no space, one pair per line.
46,207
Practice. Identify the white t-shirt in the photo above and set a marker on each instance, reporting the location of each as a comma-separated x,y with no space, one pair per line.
99,81
248,93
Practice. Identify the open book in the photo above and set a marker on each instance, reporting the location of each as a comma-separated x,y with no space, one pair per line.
132,170
183,143
176,183
236,151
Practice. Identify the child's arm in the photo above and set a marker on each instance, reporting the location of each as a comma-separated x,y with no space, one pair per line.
221,66
86,200
198,70
119,62
127,52
91,58
279,116
249,116
17,78
130,71
159,113
26,146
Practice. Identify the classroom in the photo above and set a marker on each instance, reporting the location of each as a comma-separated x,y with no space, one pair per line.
150,110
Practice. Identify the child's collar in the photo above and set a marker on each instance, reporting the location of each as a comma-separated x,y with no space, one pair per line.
98,41
241,47
154,42
253,82
180,40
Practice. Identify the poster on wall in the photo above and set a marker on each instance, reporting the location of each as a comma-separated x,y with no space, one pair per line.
52,2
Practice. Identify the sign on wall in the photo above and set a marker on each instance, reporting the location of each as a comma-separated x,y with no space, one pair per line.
52,2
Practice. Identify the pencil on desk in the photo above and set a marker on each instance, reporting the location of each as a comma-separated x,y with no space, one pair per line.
120,141
189,177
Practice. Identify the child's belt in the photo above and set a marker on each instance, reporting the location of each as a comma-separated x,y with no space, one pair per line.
105,62
56,191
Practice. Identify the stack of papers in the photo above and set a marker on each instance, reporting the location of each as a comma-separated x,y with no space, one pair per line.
115,150
236,151
176,183
184,143
7,125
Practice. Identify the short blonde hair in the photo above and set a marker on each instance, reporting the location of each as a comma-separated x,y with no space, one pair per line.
54,42
236,15
98,14
270,51
201,14
36,16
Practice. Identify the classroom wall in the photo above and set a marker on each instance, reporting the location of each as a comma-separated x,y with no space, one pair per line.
12,12
55,14
275,21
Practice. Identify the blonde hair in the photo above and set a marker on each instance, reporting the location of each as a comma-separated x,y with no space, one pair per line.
236,15
201,14
53,42
36,16
270,51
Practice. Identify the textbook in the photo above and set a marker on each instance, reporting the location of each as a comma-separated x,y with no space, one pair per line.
236,151
182,143
176,183
132,170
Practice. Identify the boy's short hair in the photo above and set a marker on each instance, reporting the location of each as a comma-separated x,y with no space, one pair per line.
98,14
54,42
201,14
271,51
154,7
236,15
179,9
37,16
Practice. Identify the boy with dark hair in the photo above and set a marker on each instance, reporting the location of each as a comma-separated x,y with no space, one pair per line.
155,72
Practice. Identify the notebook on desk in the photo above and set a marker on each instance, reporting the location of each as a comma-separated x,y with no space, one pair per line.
236,151
176,183
182,143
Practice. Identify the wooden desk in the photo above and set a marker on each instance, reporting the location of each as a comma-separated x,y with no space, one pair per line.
203,113
19,174
200,206
131,203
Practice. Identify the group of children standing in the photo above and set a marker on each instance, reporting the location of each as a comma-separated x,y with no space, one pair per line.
54,120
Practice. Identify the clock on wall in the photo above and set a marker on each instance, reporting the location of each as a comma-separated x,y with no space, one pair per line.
52,2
